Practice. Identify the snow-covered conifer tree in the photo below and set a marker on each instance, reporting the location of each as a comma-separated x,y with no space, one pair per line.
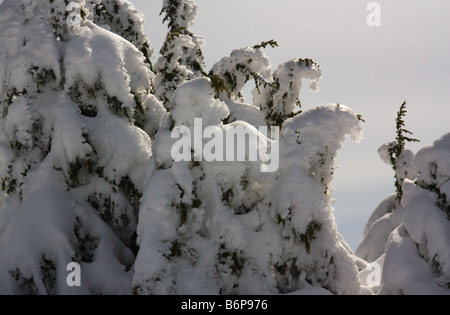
74,97
388,214
410,239
181,55
409,232
225,227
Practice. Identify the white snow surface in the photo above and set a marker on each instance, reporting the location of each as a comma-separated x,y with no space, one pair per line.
410,237
26,49
240,65
280,97
190,99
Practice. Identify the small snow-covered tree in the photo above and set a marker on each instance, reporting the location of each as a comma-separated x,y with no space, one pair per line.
419,243
396,148
387,216
181,55
409,232
74,97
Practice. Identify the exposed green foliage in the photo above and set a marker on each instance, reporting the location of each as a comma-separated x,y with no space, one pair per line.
48,272
397,149
310,234
218,85
27,285
86,244
360,118
272,43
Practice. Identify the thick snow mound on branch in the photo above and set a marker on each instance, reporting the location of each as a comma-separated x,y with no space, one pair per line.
195,99
28,50
101,56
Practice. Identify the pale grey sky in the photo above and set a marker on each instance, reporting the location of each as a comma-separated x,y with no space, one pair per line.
370,69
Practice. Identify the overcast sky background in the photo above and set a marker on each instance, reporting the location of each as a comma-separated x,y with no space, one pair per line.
370,69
